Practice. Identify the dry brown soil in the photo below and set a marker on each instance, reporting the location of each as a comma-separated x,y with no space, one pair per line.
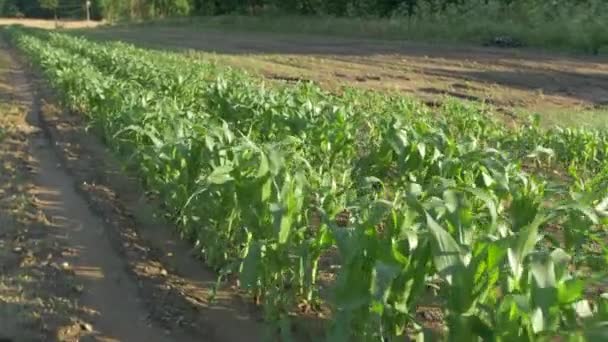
563,88
49,24
81,255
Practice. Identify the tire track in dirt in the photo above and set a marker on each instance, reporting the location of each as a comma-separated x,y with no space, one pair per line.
107,289
108,294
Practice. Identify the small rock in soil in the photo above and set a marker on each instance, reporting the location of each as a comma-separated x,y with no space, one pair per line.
504,42
86,327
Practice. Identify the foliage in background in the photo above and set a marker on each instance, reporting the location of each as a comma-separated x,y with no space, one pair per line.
50,5
48,9
580,25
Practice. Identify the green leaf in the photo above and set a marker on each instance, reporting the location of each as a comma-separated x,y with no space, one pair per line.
583,309
602,207
543,271
264,166
522,303
538,320
446,251
421,150
282,222
383,275
451,200
488,200
596,331
250,266
541,151
524,244
220,175
275,161
544,293
481,329
266,190
396,253
570,291
586,210
379,209
487,179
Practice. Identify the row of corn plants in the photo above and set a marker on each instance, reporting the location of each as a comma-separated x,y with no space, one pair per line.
363,205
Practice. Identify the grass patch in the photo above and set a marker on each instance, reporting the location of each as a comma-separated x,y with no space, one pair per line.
571,28
565,117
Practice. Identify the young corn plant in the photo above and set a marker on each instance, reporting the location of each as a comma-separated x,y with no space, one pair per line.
364,206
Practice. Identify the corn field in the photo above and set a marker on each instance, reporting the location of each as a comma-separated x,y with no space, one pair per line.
359,207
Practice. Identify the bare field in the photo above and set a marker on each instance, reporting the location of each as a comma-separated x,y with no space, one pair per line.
564,89
49,24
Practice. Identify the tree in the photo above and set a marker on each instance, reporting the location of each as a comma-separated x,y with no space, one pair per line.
50,5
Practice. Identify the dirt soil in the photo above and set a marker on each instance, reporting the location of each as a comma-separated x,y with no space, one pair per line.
81,255
511,79
49,24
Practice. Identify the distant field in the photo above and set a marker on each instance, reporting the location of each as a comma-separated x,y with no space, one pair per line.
49,24
563,88
566,89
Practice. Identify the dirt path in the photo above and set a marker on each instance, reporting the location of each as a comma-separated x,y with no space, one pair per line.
102,267
49,24
108,294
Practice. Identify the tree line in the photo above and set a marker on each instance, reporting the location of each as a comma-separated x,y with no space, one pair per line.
50,8
142,9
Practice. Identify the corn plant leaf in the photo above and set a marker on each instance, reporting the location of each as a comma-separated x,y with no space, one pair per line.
570,291
282,222
488,201
524,244
586,210
446,251
383,275
220,175
538,320
250,266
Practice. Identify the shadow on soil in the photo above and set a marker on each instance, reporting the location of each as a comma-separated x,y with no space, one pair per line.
587,87
37,285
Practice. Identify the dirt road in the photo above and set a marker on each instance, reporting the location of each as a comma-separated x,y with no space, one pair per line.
563,88
77,261
49,24
109,295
